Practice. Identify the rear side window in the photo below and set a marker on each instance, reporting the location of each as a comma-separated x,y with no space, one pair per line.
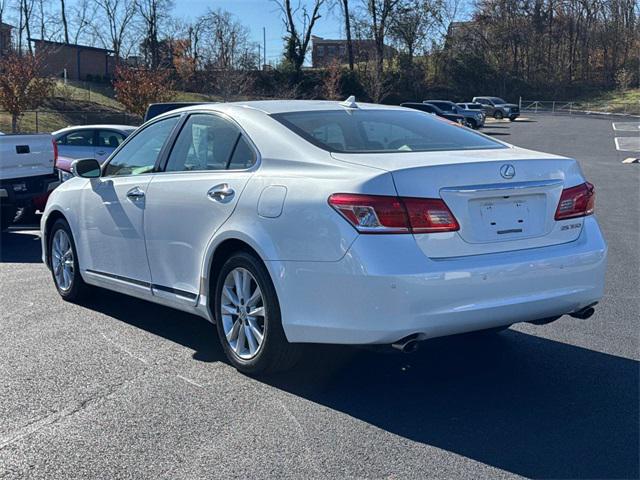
140,153
209,142
109,138
366,131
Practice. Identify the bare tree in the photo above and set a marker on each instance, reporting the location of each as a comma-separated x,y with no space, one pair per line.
378,13
298,37
154,13
347,30
80,24
63,17
413,21
116,17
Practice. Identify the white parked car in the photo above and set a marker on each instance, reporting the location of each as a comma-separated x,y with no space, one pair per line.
91,141
289,222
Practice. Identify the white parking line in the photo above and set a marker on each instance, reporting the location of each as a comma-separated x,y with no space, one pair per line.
188,380
628,144
626,127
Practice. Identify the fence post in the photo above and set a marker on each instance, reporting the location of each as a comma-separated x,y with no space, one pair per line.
37,126
520,104
553,107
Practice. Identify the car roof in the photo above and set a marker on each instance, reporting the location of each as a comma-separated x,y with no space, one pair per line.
282,106
443,101
105,126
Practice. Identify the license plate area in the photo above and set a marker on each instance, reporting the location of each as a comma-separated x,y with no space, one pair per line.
507,217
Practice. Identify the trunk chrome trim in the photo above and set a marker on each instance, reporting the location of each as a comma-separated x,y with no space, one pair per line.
504,186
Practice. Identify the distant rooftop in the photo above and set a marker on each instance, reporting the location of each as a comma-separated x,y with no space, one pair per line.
62,44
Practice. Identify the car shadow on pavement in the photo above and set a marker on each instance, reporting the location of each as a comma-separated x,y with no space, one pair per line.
531,406
20,246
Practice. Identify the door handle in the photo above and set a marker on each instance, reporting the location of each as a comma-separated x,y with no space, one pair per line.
135,193
221,193
101,152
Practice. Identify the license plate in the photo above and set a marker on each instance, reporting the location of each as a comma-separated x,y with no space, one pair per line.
505,217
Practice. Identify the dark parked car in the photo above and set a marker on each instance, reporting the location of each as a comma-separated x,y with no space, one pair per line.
426,107
155,109
472,119
499,108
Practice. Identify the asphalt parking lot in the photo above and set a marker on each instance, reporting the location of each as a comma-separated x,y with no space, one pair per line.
120,388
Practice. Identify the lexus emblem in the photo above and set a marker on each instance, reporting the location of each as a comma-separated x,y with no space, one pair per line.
507,171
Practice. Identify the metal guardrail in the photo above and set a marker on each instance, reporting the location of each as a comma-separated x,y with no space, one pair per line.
569,108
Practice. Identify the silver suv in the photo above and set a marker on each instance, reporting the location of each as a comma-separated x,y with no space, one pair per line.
498,108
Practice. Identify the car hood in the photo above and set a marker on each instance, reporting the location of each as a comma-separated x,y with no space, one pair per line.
507,105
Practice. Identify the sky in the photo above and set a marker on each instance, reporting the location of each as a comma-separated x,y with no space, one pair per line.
256,14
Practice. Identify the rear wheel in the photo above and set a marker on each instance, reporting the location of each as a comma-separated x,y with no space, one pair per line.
512,119
498,115
471,123
63,259
248,318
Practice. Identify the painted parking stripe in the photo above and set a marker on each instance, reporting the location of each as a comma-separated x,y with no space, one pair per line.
628,144
626,127
631,160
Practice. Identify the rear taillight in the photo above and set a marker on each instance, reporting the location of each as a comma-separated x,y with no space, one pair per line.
55,152
386,214
576,202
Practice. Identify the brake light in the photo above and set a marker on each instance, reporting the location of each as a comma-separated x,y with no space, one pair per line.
387,214
55,152
576,201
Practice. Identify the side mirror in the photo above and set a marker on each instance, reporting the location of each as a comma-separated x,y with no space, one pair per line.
86,168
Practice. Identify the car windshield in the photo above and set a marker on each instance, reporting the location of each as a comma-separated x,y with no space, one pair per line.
497,100
369,131
474,106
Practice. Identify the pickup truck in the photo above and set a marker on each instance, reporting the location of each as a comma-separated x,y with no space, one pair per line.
27,174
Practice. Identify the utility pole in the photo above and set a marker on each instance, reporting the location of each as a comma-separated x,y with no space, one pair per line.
264,47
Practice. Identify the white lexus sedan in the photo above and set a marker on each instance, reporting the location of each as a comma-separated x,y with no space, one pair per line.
292,222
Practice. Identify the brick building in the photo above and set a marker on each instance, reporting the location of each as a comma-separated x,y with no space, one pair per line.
80,61
6,43
325,51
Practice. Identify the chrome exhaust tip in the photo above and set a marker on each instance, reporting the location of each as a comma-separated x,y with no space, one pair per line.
406,345
584,313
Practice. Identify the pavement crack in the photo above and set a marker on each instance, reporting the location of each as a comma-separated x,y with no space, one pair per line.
60,415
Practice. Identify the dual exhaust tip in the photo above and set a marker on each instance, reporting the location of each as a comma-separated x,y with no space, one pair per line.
410,344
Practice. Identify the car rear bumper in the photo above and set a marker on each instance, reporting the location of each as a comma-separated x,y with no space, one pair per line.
25,192
385,289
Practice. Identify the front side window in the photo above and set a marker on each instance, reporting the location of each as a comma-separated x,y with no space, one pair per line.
81,138
368,131
140,154
209,142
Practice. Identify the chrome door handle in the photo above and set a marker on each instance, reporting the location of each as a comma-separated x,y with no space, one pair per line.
135,193
221,193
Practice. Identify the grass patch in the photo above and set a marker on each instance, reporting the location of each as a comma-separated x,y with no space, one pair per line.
89,92
617,101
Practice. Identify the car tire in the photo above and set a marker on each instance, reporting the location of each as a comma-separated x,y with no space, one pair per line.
254,344
63,262
471,123
498,115
7,215
512,119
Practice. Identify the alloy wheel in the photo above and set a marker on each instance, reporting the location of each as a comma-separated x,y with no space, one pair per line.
62,260
243,313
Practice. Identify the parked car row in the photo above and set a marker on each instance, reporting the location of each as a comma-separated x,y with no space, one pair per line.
470,114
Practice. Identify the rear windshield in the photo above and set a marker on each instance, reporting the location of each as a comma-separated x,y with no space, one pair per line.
369,131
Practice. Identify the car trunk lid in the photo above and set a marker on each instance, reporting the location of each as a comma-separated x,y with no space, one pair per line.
503,199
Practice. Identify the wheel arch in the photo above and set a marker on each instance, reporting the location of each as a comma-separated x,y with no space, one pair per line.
52,217
219,250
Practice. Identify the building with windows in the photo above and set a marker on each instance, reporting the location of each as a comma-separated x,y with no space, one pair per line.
325,51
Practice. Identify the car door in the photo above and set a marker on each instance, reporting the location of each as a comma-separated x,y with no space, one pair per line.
205,174
107,142
77,144
112,211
